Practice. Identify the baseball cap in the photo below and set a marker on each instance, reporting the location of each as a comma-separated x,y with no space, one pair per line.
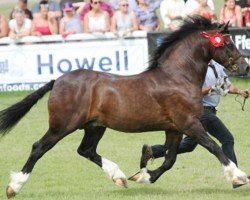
24,1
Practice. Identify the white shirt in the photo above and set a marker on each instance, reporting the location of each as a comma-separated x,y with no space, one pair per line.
97,23
26,25
173,8
213,99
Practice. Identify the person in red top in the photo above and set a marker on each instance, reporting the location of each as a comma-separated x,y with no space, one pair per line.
44,23
232,13
245,9
247,15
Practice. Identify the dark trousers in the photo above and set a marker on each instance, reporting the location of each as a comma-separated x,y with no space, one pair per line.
215,127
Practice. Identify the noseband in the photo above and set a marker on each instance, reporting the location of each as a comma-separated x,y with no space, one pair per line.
232,67
217,40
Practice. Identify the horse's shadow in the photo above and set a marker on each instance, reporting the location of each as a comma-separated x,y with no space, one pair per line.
147,190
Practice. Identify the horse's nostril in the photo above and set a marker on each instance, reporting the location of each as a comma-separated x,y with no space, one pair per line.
247,69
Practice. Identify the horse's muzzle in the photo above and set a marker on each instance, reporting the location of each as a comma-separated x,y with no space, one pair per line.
243,70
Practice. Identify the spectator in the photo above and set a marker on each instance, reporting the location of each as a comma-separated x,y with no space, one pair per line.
71,23
192,5
62,2
232,13
96,20
244,4
20,25
205,11
103,6
132,4
172,13
53,8
247,14
22,4
3,27
45,22
124,21
146,15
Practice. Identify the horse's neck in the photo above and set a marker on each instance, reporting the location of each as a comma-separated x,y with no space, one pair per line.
190,64
198,57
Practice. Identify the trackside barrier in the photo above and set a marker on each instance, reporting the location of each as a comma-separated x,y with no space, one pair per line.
28,63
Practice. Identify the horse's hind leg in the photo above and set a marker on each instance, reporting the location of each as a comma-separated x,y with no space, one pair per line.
173,140
233,174
88,147
18,179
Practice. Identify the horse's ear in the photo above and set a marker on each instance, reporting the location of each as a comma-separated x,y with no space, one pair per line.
224,28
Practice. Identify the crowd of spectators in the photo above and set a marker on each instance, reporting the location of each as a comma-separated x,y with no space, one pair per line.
47,17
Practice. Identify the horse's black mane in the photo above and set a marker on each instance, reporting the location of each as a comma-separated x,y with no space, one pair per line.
190,25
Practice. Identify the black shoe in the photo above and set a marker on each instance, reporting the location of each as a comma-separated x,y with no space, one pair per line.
147,154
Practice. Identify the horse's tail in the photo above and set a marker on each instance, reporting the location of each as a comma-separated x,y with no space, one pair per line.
9,117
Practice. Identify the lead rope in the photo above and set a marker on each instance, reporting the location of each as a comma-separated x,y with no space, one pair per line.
244,101
242,104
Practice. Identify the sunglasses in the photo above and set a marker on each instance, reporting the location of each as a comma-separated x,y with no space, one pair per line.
124,5
96,2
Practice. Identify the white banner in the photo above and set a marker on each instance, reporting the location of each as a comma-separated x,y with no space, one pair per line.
29,66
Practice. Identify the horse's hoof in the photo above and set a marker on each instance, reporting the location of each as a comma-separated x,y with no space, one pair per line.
141,177
121,182
10,192
135,177
238,182
236,186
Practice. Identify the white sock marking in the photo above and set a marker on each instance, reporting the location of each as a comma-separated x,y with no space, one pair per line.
18,179
234,173
112,169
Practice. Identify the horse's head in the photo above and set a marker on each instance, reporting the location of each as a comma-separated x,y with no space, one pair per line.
224,50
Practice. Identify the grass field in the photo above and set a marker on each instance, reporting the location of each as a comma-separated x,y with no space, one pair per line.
63,175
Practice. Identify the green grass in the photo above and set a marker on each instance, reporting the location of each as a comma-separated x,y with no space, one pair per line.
63,174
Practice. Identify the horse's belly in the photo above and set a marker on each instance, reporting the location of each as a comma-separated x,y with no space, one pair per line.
137,125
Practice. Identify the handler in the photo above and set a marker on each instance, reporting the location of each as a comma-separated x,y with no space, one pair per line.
216,84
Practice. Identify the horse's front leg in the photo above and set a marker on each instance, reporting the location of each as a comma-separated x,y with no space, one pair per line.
173,140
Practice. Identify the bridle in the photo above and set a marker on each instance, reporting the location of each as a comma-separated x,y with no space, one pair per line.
218,40
231,67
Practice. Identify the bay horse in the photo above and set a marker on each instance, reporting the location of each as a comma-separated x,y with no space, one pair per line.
166,97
